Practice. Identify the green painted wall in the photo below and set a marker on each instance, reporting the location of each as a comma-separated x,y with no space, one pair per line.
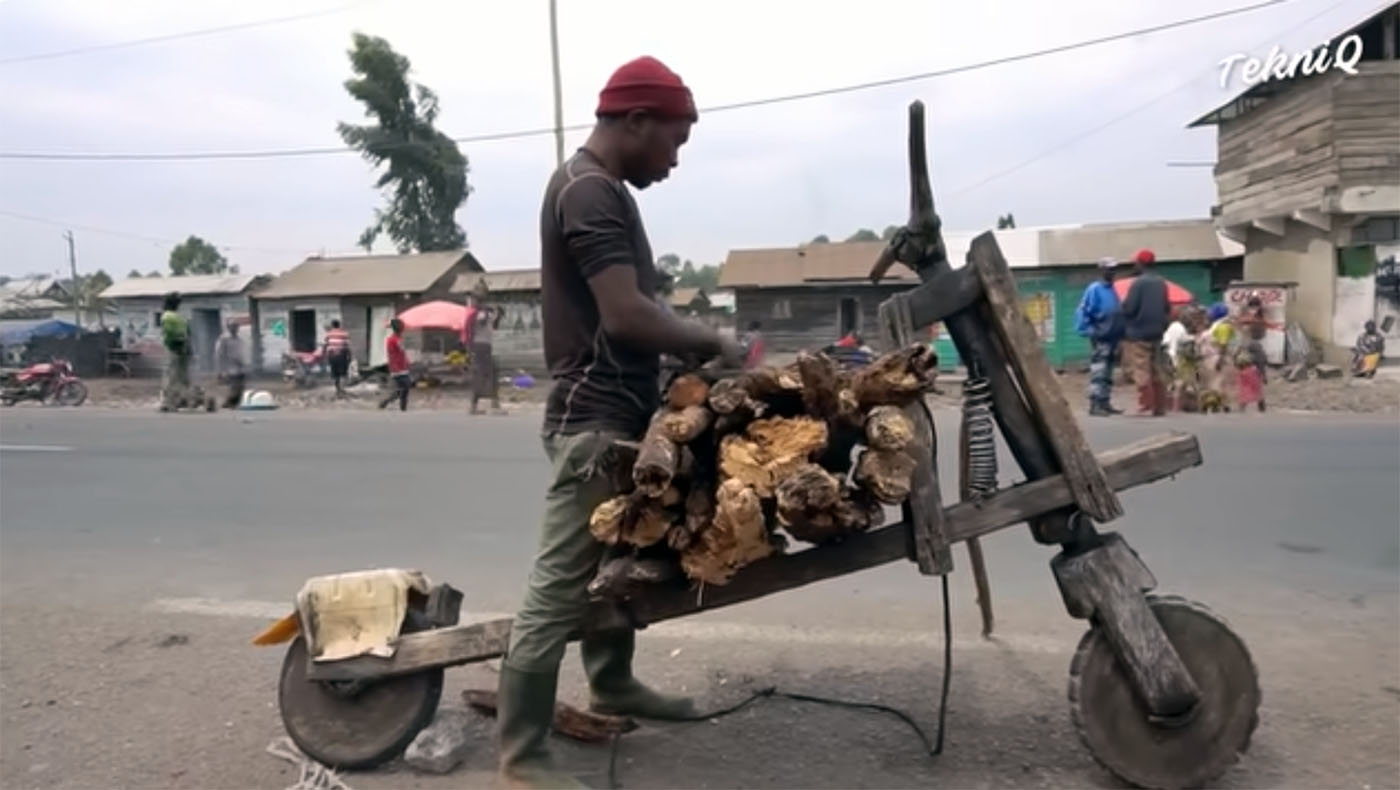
1061,288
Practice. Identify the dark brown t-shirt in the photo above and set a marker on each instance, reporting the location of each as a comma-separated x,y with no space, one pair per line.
589,222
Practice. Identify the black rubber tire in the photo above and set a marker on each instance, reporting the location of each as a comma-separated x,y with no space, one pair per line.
1111,721
71,393
390,712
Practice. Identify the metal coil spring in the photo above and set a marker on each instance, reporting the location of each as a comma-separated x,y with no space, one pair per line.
980,425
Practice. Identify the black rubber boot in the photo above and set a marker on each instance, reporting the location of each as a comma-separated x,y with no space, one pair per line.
607,658
525,713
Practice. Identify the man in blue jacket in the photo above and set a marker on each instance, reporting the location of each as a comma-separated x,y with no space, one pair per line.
1100,319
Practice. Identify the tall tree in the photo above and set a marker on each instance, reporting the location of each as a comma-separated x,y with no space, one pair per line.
425,174
85,295
197,256
705,277
1008,221
864,234
670,263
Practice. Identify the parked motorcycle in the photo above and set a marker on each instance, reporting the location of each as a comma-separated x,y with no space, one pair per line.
47,382
303,368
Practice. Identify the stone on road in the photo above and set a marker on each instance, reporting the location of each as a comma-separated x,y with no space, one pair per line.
205,526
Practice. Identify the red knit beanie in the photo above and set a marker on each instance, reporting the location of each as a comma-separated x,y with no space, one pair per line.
646,84
1144,257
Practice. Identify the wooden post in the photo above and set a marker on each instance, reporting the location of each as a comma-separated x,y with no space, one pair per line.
1056,423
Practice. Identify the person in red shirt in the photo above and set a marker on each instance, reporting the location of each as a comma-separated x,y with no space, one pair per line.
398,366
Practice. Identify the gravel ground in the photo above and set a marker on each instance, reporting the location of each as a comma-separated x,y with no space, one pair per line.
1373,396
1360,396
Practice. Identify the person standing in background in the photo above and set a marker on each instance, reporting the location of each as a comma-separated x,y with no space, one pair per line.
336,350
1100,319
398,366
175,335
1146,312
228,361
753,346
485,320
1253,362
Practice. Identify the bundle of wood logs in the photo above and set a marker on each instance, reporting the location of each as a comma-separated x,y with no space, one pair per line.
730,464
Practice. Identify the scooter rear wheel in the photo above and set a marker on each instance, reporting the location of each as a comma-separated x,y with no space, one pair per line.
355,725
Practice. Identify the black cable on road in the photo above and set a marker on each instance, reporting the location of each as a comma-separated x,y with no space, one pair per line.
932,746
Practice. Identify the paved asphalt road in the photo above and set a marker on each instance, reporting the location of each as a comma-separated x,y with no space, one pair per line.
139,553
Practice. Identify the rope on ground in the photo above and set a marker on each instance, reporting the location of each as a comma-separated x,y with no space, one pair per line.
312,775
933,747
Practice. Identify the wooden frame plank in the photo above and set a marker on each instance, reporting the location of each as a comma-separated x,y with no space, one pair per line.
924,508
1092,492
1133,465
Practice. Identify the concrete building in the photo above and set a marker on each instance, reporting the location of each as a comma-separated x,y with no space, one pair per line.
1308,180
362,292
207,301
809,297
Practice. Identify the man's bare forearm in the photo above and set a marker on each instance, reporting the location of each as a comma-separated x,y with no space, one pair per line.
649,328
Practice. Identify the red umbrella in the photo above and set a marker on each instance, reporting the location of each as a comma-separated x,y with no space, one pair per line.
1176,295
435,315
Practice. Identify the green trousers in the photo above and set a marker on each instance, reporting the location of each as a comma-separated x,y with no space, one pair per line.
177,379
557,596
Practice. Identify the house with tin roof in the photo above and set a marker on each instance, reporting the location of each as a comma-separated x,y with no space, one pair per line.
363,292
810,296
207,301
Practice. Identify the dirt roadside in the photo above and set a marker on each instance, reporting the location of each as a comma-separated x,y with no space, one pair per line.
1347,395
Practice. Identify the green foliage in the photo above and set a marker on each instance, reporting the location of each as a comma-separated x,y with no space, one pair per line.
425,174
84,295
1008,221
705,277
889,231
153,273
670,263
821,239
134,274
197,256
864,234
686,274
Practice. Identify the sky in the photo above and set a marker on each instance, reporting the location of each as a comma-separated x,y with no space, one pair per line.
1075,137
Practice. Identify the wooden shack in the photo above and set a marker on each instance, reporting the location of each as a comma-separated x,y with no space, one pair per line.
1308,180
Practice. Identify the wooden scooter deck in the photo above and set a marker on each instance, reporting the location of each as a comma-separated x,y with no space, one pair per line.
1133,465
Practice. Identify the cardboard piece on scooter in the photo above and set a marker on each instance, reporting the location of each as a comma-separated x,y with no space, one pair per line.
345,615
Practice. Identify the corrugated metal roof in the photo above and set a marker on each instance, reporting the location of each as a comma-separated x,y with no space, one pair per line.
682,297
1023,248
366,274
808,264
189,285
504,280
1182,240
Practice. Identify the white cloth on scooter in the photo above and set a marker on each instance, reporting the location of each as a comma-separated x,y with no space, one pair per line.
345,615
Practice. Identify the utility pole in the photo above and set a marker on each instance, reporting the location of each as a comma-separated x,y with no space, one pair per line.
558,87
77,289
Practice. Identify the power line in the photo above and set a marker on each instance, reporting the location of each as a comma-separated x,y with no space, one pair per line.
140,237
1124,116
525,133
208,31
